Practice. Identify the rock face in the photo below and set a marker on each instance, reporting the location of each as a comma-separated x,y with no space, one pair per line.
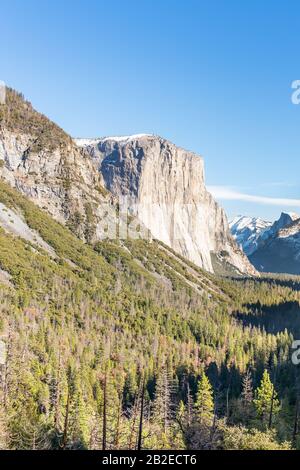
164,186
159,183
280,252
248,232
270,247
285,219
42,161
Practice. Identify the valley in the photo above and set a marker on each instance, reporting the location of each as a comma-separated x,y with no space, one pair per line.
134,342
114,316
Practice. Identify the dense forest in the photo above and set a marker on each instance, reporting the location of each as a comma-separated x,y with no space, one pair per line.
129,346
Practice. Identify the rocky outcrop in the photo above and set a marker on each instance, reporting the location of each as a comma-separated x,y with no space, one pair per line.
62,181
164,187
280,252
42,161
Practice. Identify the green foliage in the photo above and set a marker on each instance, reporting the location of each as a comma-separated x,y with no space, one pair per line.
266,401
204,400
125,311
18,115
240,438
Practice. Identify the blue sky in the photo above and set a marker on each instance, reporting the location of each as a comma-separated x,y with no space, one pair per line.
212,76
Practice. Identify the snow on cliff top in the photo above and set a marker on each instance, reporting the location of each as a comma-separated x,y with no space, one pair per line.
122,138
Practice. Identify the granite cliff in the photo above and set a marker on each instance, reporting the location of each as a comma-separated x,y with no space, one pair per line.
92,186
164,187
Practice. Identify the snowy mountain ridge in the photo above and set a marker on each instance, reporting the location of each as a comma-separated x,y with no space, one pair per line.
247,231
270,247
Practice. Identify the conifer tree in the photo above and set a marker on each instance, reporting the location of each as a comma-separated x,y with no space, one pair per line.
247,391
247,396
181,416
140,433
162,407
266,401
204,404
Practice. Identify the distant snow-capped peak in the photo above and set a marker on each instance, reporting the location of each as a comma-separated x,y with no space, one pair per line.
285,219
247,231
252,223
251,232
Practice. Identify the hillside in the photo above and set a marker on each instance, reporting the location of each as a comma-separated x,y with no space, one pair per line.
77,320
41,161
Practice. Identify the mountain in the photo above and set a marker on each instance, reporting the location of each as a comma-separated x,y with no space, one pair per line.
280,252
108,344
163,186
164,182
247,231
42,161
285,219
270,247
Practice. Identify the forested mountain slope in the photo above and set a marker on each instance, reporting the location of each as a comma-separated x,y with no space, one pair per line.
44,163
87,330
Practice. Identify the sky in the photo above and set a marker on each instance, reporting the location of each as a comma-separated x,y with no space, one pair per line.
214,77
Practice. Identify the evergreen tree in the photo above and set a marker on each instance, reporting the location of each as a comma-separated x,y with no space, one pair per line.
181,416
266,401
162,406
247,391
245,407
204,404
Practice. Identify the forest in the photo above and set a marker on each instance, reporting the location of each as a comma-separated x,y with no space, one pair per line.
128,346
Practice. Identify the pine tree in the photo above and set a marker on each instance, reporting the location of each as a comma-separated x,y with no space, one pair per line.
181,416
67,407
189,405
140,433
247,408
204,405
247,391
163,408
104,415
266,401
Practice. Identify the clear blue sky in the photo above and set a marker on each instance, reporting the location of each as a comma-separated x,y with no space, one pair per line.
212,76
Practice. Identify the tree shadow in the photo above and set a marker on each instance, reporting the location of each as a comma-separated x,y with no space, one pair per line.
288,280
272,318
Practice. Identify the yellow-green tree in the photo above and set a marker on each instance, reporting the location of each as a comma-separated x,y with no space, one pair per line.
266,401
204,405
